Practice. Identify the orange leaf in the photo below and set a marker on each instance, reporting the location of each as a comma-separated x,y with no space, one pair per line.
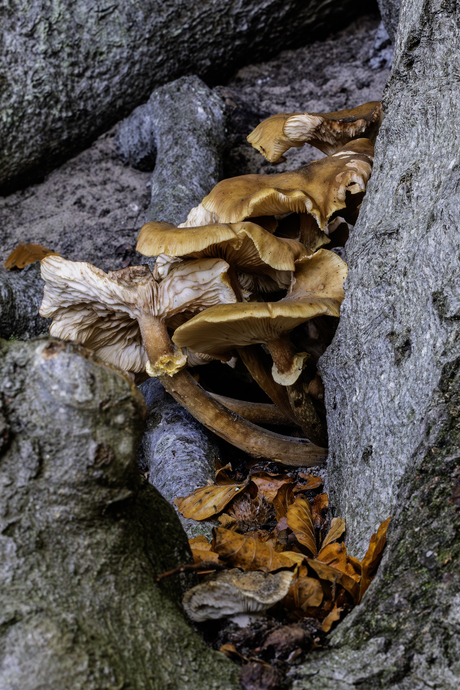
283,500
312,482
269,486
304,592
330,619
207,500
26,254
335,532
299,519
318,505
336,556
201,550
373,556
326,572
246,552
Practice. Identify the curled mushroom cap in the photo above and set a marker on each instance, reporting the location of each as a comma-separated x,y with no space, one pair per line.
123,315
246,247
327,132
319,188
317,290
234,592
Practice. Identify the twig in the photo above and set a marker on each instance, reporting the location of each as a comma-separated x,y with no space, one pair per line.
192,568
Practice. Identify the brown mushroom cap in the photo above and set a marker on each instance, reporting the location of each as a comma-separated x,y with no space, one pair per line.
105,311
319,188
327,132
234,592
246,246
317,290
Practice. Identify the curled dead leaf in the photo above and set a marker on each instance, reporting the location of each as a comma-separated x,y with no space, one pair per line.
269,486
26,254
335,532
207,501
283,500
300,520
318,507
333,616
305,592
336,577
336,556
246,552
373,556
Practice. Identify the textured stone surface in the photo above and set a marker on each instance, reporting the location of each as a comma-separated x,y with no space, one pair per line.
72,69
389,9
181,128
82,536
392,379
178,453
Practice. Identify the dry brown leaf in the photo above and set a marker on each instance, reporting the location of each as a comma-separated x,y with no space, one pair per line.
269,486
26,254
201,550
318,506
312,483
247,553
336,556
227,521
304,592
326,572
333,616
221,476
297,558
335,532
373,556
300,520
207,501
283,500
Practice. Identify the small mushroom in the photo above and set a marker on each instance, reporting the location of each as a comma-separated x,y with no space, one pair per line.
122,315
321,188
316,290
240,596
327,132
246,247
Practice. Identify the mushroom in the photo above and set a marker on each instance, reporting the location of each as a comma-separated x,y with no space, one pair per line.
319,188
122,315
317,289
240,596
246,247
327,132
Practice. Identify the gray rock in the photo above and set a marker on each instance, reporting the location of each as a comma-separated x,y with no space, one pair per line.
21,294
178,452
72,69
389,9
181,127
82,536
392,379
381,53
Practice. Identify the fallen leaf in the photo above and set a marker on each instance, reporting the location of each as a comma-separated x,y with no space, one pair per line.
300,520
207,501
295,557
305,592
226,520
231,651
246,552
330,619
201,550
283,500
26,254
318,505
221,476
373,557
336,530
312,482
283,641
327,572
269,486
336,556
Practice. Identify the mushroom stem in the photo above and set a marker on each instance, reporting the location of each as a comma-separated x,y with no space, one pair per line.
287,363
164,357
248,437
257,413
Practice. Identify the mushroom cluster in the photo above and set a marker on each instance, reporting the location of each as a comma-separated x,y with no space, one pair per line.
244,277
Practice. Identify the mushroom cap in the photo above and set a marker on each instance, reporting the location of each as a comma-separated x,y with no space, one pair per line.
246,245
232,592
319,188
317,290
327,132
100,310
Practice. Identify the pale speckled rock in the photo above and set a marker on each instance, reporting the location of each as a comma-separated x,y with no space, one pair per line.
82,536
389,9
181,129
70,70
178,452
392,380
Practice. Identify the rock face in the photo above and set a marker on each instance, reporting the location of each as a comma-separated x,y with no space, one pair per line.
72,69
82,536
392,379
389,9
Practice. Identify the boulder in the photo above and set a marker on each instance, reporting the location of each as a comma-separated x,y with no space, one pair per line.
71,70
389,9
82,536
